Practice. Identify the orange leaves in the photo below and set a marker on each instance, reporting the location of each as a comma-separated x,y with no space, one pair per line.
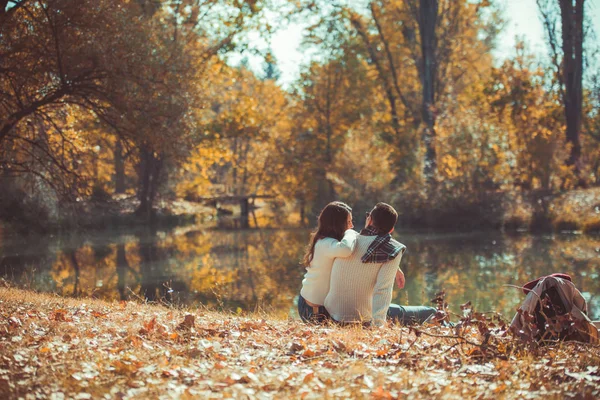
188,323
381,394
308,353
60,315
99,314
308,377
126,367
382,352
219,355
148,326
152,327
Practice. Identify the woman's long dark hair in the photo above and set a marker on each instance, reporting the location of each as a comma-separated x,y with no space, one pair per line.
333,222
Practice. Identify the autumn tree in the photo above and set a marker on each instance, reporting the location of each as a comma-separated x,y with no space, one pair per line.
331,98
529,119
72,96
199,32
446,42
566,18
237,155
424,53
428,11
331,105
136,81
49,68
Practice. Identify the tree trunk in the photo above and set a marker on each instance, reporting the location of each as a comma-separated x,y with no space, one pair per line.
571,13
389,91
149,269
428,16
149,173
325,192
302,205
122,266
244,213
119,168
77,269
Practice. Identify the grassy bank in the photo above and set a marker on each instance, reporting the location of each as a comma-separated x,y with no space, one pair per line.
93,349
534,211
118,213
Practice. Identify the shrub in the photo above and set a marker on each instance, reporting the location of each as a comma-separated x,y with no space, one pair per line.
592,225
566,224
443,210
27,205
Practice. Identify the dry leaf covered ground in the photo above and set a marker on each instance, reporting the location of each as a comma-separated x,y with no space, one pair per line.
53,347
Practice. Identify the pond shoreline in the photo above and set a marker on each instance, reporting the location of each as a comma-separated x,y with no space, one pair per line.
576,211
121,215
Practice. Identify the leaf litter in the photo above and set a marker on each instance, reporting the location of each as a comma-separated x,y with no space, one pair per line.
52,347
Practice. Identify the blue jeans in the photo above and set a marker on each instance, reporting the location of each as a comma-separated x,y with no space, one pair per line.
310,314
407,315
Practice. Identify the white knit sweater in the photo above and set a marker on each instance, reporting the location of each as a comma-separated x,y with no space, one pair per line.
315,284
361,292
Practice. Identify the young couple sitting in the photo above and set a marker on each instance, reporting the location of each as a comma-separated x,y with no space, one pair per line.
350,276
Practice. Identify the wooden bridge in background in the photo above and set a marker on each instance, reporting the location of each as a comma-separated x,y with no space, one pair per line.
242,200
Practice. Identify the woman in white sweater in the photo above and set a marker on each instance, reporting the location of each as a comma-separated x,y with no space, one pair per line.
333,238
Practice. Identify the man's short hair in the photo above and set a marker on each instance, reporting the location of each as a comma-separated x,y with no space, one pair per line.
384,217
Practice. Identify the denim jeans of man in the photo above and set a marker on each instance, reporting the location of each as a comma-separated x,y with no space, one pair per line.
312,314
407,315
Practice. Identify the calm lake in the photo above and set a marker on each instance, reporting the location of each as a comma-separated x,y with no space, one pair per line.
248,270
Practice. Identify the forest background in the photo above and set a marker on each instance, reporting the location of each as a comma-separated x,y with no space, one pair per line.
122,107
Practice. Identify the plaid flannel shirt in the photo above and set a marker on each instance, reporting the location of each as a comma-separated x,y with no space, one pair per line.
384,248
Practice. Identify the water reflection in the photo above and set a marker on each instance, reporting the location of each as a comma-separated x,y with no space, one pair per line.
258,269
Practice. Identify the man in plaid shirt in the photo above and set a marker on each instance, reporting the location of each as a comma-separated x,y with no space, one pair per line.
361,285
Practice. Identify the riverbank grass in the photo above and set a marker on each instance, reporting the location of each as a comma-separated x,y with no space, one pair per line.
52,347
577,210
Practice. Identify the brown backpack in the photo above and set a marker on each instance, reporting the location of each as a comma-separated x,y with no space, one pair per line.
553,310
